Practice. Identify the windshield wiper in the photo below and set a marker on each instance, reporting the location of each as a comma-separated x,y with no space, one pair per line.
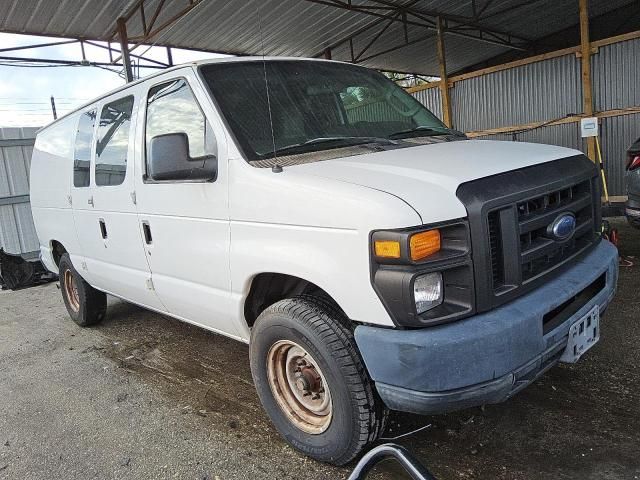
431,131
348,141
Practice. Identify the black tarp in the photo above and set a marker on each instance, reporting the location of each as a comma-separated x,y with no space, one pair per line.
17,273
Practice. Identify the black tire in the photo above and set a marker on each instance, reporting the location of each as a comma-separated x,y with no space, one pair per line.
90,305
358,415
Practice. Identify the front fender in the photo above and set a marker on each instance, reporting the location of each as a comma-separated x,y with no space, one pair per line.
335,260
309,227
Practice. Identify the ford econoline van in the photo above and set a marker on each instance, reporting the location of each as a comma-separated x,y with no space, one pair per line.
372,258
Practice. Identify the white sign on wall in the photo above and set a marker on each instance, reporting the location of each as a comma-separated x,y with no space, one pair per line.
589,127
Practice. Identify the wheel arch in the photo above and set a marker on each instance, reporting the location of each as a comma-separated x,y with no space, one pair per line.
57,250
267,288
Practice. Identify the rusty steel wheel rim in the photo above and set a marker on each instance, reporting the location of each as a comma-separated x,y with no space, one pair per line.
299,387
71,290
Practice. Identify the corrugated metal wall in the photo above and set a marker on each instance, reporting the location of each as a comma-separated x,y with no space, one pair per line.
534,92
617,134
432,99
17,232
550,90
616,84
616,75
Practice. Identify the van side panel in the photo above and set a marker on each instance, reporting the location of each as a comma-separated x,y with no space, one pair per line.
50,180
107,225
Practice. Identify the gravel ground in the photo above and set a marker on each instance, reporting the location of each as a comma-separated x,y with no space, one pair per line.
144,396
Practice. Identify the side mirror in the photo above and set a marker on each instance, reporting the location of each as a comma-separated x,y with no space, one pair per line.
169,160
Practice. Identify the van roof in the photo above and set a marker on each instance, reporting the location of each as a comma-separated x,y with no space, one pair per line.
182,65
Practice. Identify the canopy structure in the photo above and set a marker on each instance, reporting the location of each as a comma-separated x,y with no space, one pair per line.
391,35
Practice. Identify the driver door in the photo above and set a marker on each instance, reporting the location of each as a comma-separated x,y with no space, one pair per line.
185,223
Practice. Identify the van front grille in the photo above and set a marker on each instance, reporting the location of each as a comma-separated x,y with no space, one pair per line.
539,252
495,246
511,217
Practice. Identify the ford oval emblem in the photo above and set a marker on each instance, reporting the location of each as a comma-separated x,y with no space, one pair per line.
562,227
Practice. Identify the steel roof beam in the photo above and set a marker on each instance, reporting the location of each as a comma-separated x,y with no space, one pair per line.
364,29
148,31
375,38
431,16
478,11
398,47
138,57
39,45
124,46
424,19
367,10
69,63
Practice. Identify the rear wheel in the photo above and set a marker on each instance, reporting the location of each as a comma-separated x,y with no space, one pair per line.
86,305
312,381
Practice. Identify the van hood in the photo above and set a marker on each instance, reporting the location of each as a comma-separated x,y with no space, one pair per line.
428,176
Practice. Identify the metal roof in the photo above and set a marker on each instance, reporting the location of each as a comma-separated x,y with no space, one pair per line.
397,35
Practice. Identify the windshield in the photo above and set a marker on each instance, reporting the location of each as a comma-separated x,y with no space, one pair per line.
313,106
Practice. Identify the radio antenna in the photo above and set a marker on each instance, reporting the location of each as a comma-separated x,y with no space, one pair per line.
266,80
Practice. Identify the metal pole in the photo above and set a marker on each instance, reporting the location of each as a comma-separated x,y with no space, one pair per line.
124,47
169,57
587,95
53,108
444,78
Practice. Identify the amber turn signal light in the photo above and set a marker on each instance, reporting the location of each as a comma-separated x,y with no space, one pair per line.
387,249
423,244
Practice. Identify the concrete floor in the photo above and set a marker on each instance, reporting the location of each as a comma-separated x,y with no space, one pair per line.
144,396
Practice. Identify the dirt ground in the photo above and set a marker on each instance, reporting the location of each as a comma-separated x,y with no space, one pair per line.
145,396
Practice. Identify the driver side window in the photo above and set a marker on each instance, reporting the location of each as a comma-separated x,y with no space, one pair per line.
172,108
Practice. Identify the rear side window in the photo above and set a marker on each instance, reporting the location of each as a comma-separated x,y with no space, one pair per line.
172,108
113,142
82,149
58,138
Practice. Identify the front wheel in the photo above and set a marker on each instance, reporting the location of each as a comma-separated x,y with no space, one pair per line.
85,304
312,382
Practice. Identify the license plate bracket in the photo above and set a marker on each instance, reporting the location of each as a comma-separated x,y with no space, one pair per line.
583,334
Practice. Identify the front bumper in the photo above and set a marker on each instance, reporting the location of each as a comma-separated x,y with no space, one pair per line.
486,358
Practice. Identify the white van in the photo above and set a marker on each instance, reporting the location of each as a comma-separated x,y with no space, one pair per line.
372,258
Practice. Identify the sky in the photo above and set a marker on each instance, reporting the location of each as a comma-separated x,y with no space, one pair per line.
25,91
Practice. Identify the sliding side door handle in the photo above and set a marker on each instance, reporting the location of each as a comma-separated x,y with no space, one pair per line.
146,229
103,228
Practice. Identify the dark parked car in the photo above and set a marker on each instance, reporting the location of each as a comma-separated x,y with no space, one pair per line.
633,184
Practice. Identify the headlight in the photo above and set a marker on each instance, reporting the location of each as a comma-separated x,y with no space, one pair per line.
428,291
409,269
420,246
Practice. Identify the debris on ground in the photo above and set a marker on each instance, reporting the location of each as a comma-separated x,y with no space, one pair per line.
17,273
